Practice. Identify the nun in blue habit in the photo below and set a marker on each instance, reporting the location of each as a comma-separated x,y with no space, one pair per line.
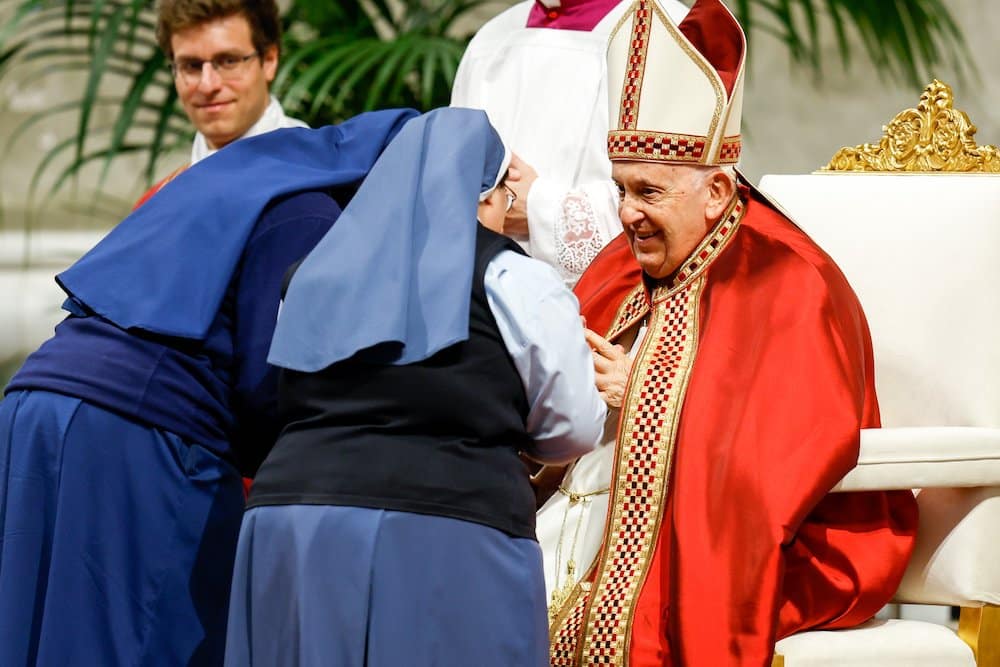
393,522
122,438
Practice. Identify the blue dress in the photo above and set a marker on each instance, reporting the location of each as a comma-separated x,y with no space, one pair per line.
120,494
319,585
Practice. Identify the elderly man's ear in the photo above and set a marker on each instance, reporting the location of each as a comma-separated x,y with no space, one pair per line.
720,187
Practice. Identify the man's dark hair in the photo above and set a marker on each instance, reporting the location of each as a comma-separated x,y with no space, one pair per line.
176,15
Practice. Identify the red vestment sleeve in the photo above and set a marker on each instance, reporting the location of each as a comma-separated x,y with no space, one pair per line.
782,384
603,286
845,561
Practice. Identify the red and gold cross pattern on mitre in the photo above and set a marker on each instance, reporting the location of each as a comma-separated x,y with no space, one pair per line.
676,91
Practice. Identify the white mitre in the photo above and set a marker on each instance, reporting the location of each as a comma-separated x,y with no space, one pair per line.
681,85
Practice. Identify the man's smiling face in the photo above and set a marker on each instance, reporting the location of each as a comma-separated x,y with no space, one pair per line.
663,209
223,105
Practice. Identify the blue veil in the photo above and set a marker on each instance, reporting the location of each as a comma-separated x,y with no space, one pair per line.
165,267
395,271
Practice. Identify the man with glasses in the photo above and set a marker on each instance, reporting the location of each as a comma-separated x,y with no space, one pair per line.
223,55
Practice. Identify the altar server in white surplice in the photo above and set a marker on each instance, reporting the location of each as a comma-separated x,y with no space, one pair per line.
539,70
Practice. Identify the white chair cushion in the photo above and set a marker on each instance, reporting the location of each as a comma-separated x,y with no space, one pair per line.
911,458
923,254
956,558
892,643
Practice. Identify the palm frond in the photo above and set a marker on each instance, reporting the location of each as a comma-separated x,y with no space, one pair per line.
130,106
907,40
401,54
102,50
106,42
341,58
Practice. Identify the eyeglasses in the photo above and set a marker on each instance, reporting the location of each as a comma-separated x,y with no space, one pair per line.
227,65
511,198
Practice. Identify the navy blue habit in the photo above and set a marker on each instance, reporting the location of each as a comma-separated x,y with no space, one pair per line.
123,438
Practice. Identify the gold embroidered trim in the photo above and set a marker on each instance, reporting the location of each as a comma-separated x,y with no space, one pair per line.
647,432
626,15
934,137
710,246
565,629
641,475
561,592
631,144
729,151
632,85
633,308
668,147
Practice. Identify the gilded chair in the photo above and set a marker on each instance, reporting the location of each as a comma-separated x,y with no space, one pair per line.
914,223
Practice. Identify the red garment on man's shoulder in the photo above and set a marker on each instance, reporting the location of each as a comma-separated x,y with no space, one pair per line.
156,188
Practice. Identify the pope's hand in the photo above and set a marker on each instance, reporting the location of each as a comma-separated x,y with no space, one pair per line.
520,176
611,366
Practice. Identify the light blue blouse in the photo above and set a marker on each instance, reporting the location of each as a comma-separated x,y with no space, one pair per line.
539,320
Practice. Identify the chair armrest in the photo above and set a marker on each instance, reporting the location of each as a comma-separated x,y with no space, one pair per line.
924,457
877,642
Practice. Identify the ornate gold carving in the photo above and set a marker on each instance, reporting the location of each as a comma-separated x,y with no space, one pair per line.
934,137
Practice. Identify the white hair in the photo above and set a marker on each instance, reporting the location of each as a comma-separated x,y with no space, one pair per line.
705,172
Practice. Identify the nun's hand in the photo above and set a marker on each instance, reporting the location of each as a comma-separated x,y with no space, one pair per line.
545,479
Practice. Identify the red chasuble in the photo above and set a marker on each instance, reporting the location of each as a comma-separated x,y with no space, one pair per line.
743,409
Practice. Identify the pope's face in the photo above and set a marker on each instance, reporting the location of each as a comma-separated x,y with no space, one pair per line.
663,209
223,105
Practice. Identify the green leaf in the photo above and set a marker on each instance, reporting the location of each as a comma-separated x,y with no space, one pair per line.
161,132
130,106
342,57
387,65
100,57
16,23
25,125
